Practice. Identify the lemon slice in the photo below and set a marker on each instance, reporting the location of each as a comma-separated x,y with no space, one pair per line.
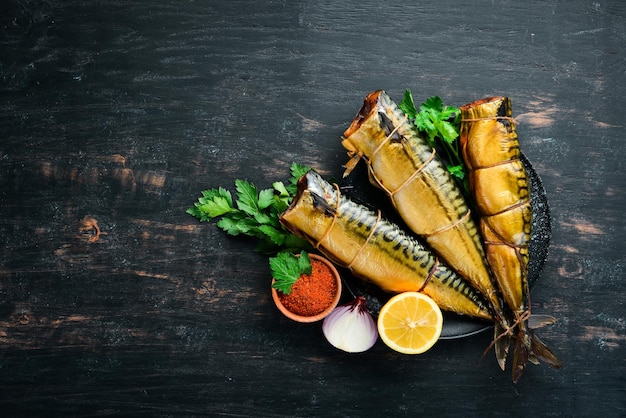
410,323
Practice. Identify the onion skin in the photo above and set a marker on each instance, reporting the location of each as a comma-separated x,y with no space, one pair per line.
350,327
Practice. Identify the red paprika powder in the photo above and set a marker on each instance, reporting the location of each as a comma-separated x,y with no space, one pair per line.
312,293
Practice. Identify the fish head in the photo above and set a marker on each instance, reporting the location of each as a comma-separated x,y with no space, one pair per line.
312,208
361,137
379,123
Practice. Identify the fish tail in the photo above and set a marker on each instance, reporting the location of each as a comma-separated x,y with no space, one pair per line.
529,347
501,344
543,353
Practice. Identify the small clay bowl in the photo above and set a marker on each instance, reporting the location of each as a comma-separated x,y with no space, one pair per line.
325,312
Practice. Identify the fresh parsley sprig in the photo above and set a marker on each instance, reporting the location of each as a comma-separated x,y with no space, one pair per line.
257,214
441,126
254,213
287,268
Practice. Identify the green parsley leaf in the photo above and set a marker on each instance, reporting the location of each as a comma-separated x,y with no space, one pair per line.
213,203
287,268
254,213
247,200
276,235
433,103
457,171
408,105
280,189
440,126
216,207
446,131
266,198
304,262
297,171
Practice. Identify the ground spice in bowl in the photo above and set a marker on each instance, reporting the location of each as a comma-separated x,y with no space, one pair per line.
314,295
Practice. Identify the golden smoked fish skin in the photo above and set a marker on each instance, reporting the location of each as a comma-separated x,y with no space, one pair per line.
501,190
374,249
401,163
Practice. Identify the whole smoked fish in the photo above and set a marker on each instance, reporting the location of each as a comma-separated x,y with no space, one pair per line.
374,249
501,190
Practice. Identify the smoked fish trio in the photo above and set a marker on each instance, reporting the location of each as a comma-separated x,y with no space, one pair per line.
471,264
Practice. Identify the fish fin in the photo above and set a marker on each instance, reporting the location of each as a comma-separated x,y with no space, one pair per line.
501,345
533,358
351,164
543,353
321,203
530,348
536,321
374,180
520,357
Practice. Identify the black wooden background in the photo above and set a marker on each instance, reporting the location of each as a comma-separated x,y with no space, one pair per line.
116,114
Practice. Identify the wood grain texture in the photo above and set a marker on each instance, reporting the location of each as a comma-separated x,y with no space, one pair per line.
117,114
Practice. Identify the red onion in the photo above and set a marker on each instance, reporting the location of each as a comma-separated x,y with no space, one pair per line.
350,327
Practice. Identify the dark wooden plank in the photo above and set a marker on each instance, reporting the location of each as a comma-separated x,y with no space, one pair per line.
117,114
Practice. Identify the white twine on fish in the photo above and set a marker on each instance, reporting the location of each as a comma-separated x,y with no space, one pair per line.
412,176
431,273
371,234
452,225
332,223
509,118
522,202
508,331
384,141
499,163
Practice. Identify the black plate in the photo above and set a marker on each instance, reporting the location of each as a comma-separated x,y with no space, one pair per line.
358,188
